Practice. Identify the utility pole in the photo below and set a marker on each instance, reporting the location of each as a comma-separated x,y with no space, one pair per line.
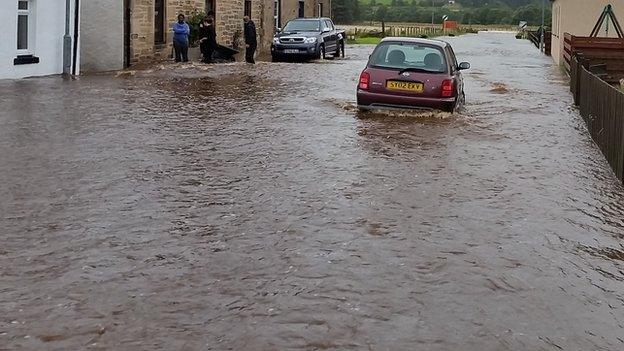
67,40
542,30
432,11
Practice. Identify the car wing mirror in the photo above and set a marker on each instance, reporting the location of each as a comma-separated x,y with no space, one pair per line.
278,30
462,66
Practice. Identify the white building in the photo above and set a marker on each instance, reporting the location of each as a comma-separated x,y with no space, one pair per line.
578,17
31,33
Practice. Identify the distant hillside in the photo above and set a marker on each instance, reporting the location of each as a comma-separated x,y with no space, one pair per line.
418,11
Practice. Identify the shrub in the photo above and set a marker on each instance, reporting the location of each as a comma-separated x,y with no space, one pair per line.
193,20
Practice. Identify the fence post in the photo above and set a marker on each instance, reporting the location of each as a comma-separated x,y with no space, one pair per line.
621,118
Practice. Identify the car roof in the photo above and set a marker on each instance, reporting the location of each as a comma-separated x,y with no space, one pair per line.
435,42
309,18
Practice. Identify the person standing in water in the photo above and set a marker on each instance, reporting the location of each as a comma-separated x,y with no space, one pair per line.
208,39
181,31
251,41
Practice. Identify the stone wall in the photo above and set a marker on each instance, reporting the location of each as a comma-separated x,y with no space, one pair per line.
228,18
290,9
142,43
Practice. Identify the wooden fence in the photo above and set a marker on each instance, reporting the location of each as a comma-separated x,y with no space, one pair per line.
416,29
602,108
608,52
396,31
534,37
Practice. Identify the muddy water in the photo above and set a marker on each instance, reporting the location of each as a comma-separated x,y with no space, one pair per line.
251,208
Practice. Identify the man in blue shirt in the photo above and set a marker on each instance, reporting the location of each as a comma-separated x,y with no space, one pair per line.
181,31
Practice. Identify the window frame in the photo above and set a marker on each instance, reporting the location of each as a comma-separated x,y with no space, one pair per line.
329,25
30,27
383,49
247,8
452,58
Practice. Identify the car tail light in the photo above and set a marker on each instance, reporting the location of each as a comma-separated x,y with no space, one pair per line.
364,80
448,88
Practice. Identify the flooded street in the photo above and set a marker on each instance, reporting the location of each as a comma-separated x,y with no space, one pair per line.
252,208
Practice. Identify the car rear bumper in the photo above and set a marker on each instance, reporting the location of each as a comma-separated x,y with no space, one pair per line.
294,50
369,100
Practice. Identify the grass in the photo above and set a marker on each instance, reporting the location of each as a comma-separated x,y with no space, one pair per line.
365,40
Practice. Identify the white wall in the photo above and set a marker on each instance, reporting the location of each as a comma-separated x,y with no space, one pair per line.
578,17
47,43
102,35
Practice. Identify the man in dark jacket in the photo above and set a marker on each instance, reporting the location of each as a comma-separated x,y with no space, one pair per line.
208,39
251,42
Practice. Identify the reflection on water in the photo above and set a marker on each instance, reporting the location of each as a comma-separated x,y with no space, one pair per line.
248,207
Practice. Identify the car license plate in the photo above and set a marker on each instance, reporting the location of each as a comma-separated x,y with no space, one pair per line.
291,51
405,86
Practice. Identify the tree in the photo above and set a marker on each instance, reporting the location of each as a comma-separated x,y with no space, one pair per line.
380,15
345,11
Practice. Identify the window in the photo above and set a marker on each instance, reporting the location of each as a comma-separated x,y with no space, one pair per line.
25,28
159,21
328,25
210,7
396,55
298,25
452,58
276,13
301,9
247,8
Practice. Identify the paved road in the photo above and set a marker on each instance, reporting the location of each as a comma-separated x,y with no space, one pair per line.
251,208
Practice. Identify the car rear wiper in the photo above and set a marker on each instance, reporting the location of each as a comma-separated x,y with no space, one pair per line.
414,69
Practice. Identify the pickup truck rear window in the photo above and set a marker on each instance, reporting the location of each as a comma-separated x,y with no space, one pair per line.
402,55
303,26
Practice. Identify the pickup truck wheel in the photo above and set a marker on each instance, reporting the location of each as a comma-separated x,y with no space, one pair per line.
321,53
337,53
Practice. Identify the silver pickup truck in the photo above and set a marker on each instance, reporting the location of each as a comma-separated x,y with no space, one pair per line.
308,38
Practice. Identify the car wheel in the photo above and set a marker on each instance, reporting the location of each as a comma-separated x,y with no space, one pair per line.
322,52
275,58
337,53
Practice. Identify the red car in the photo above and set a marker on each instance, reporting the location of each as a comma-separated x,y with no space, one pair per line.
412,73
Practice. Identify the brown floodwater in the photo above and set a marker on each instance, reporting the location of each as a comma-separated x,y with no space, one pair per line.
237,207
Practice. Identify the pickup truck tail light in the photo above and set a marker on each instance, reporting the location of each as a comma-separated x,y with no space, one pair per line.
364,81
448,88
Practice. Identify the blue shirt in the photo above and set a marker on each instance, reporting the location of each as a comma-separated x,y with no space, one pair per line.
181,32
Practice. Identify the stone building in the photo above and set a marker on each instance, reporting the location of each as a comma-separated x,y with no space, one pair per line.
118,34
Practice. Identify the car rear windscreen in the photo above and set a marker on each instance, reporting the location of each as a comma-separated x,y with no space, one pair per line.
302,26
405,55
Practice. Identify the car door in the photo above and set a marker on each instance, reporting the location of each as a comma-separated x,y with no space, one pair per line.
455,72
330,37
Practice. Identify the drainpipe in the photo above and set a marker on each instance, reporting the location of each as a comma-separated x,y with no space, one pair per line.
67,41
543,30
74,59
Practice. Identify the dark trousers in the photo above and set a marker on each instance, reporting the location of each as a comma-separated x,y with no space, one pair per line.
181,51
249,53
207,51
